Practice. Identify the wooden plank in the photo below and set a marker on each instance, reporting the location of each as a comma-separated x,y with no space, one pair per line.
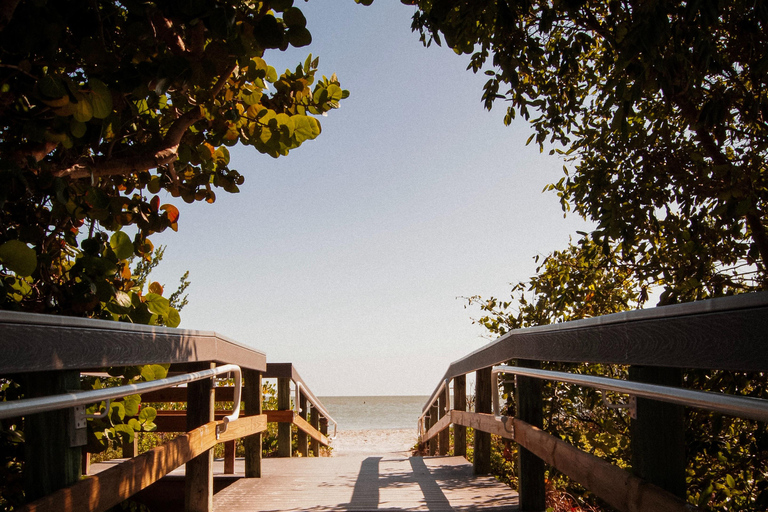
51,462
290,417
439,426
724,333
314,422
485,422
198,482
301,436
179,394
443,439
529,408
34,342
460,404
615,486
253,402
657,435
433,419
100,492
284,441
483,404
229,457
176,421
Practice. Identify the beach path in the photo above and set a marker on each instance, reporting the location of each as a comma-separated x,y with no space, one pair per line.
358,478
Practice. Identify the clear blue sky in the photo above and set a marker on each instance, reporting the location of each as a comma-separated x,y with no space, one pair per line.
348,257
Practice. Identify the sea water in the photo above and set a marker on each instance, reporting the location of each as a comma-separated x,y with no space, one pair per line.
374,412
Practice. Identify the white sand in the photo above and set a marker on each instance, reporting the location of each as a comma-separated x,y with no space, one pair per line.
374,441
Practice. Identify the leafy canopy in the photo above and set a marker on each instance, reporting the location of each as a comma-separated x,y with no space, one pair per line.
107,106
662,110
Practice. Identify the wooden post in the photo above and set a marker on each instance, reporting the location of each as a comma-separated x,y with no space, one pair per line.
51,463
253,398
301,435
658,433
444,436
230,447
283,429
529,406
432,450
198,483
324,426
483,391
131,449
314,420
460,404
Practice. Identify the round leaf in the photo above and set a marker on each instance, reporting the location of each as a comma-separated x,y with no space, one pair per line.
121,244
18,257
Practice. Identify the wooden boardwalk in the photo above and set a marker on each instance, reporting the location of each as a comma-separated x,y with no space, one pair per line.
362,482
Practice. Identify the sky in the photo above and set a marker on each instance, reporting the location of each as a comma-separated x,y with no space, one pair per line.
350,256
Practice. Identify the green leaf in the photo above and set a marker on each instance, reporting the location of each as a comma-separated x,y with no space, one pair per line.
173,319
294,18
77,128
221,156
730,481
149,427
122,245
116,413
18,257
135,424
125,432
131,404
83,110
101,99
157,304
147,414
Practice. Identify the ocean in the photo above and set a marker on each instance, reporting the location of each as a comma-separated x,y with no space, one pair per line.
374,412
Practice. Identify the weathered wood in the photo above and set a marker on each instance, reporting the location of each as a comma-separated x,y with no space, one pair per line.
658,433
179,394
34,342
433,419
291,418
131,448
460,404
301,436
724,333
176,421
229,457
529,404
253,402
284,440
51,463
485,422
438,427
112,486
198,482
483,404
314,422
615,486
443,439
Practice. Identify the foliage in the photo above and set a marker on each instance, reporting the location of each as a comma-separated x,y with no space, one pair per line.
107,104
662,110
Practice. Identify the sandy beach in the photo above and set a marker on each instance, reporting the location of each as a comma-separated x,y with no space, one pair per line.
398,441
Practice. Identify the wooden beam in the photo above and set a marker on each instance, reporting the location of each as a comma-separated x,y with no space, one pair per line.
253,401
229,457
529,408
483,392
198,479
615,486
284,441
301,436
179,394
433,419
51,461
658,433
314,422
103,491
443,439
291,418
34,342
460,404
485,423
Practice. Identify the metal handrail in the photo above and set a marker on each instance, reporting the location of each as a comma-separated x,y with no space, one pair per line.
297,407
64,401
740,406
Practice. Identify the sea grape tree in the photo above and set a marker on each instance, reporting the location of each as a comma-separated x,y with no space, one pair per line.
106,108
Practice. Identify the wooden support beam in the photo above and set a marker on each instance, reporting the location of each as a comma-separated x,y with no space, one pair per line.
51,462
432,449
291,418
301,436
198,480
131,449
658,433
483,404
229,457
284,440
253,398
460,404
314,421
529,408
443,439
179,394
103,491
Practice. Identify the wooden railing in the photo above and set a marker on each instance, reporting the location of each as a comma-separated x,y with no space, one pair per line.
721,334
48,353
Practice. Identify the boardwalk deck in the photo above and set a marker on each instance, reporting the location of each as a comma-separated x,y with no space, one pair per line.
363,482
